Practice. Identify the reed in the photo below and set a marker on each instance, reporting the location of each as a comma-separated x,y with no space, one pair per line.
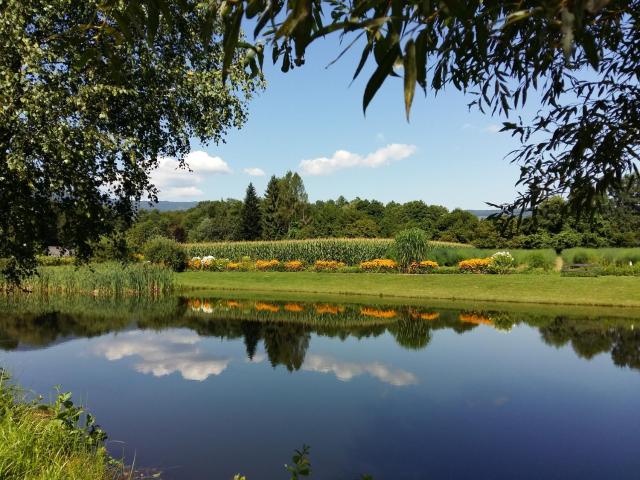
110,278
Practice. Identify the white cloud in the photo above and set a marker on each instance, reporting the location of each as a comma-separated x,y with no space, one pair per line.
175,182
491,128
345,159
163,353
254,171
346,371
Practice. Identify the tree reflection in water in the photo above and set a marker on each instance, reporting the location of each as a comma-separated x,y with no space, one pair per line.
286,328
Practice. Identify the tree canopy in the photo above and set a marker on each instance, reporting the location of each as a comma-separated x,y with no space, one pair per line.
581,57
85,114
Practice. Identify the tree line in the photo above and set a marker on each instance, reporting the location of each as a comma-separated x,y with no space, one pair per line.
284,212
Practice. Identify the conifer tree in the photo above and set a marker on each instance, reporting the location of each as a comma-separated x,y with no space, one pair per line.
270,211
251,217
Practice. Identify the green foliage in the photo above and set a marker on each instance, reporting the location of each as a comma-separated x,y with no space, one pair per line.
166,252
87,113
537,260
411,246
56,442
112,279
301,466
349,251
51,261
502,263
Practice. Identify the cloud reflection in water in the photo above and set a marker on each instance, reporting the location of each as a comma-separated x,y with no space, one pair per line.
163,353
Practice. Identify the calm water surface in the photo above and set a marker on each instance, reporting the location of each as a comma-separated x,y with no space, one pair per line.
204,388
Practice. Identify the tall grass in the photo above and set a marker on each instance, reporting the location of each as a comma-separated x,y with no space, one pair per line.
351,251
100,279
40,442
602,256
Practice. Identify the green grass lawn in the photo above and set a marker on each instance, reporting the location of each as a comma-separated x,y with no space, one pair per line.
542,289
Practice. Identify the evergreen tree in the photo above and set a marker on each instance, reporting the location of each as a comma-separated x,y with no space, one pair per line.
251,217
292,203
271,228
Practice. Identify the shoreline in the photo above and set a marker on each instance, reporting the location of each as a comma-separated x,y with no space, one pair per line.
541,289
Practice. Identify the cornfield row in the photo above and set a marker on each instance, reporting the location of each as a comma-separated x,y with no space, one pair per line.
351,251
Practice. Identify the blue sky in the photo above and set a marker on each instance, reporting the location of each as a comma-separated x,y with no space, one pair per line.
446,155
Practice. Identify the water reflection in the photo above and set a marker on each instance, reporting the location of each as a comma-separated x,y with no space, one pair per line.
285,329
163,353
346,371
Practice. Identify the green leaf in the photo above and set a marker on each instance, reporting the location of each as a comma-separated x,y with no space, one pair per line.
410,75
382,72
230,39
153,20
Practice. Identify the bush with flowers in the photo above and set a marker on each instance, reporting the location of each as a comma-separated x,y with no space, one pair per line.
208,263
501,263
267,265
379,265
475,265
294,266
328,266
425,266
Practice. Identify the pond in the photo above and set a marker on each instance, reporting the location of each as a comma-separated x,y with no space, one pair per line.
207,387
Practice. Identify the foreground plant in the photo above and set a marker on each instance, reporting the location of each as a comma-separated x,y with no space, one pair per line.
57,442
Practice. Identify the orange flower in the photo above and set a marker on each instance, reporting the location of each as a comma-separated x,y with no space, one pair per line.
293,307
373,312
475,319
379,264
267,264
267,307
429,316
330,309
233,266
328,265
475,265
293,266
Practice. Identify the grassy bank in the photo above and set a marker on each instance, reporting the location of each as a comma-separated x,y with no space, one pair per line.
39,442
109,278
543,289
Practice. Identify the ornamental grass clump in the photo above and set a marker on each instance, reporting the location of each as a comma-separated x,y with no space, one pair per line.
379,265
411,246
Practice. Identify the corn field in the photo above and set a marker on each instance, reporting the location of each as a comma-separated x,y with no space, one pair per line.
351,251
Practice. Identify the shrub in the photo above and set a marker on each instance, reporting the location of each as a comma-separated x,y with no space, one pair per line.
293,266
264,265
425,266
475,265
501,263
379,265
411,246
167,252
50,261
537,260
328,265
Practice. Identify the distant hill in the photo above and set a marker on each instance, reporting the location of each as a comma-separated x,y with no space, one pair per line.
165,206
483,213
